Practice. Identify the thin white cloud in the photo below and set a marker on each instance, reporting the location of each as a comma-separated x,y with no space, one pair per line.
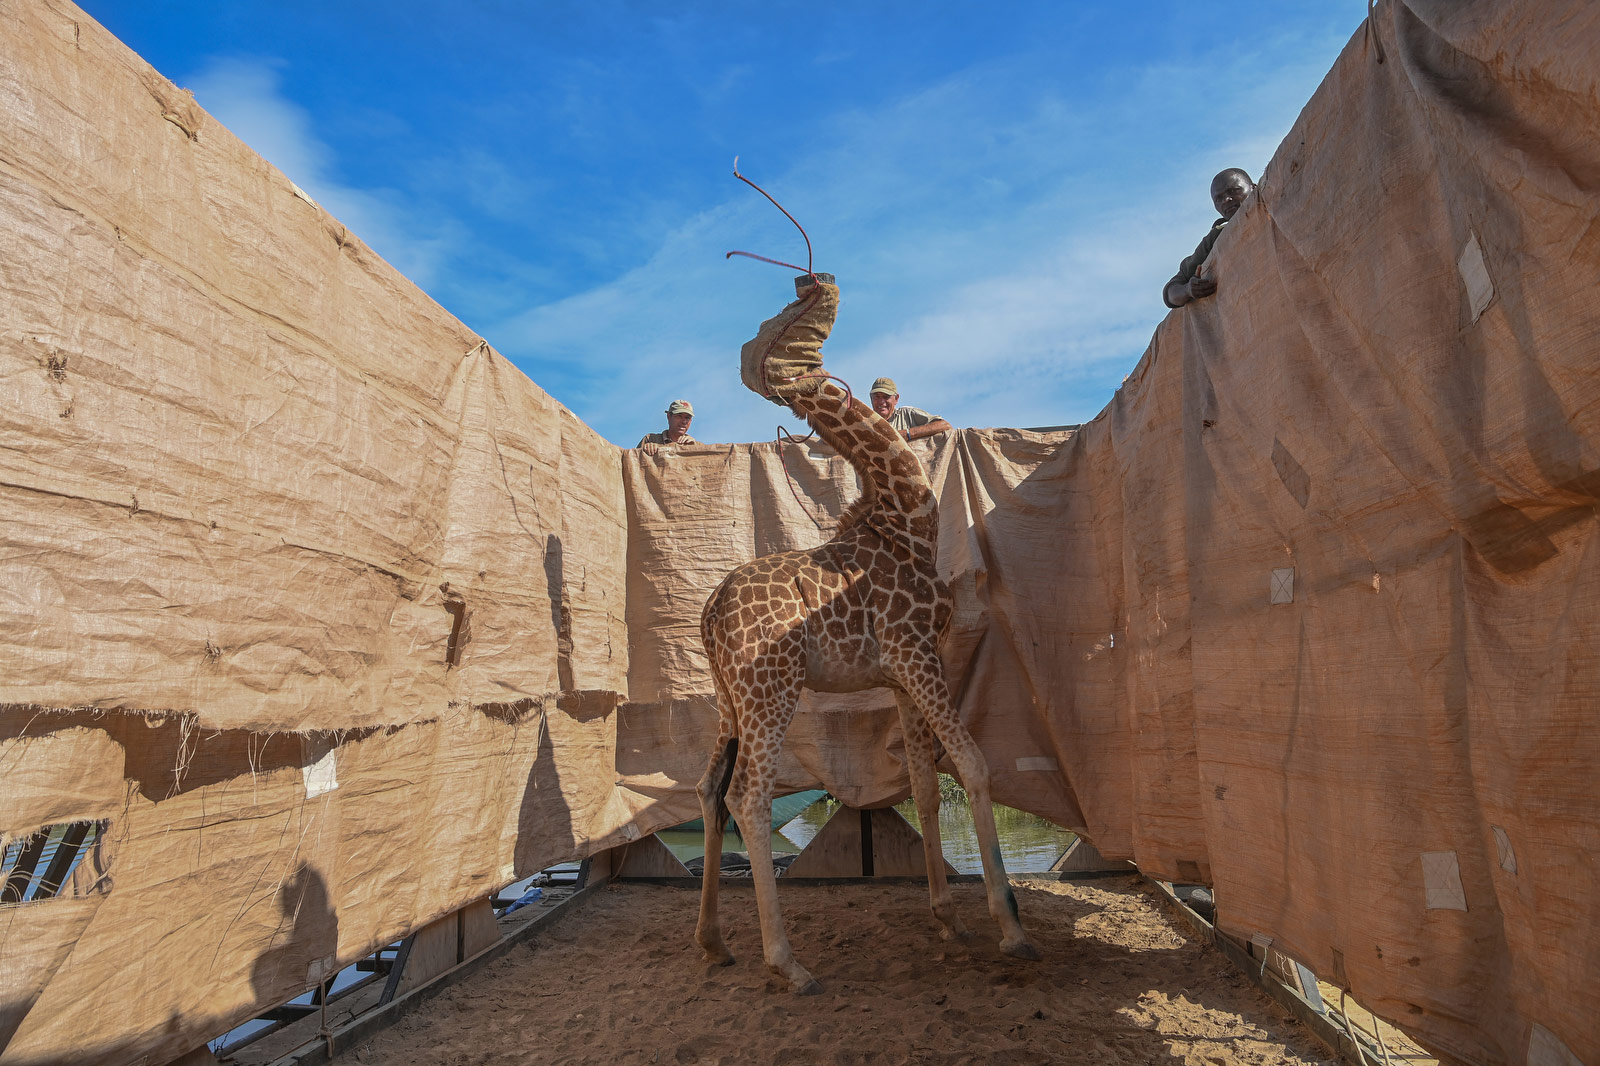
1000,246
993,258
245,94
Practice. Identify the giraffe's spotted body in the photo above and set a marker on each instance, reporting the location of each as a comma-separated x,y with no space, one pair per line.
865,610
818,612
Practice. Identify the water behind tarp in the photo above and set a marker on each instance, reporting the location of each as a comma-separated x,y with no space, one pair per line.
1028,844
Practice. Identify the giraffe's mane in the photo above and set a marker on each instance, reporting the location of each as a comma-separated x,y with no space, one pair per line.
856,513
872,494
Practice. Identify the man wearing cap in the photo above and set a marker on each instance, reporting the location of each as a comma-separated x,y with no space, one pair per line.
679,414
1228,191
912,423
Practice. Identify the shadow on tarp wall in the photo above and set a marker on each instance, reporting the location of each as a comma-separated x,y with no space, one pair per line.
164,757
1033,613
238,891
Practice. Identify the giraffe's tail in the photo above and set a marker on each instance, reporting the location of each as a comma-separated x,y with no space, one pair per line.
728,738
727,719
729,756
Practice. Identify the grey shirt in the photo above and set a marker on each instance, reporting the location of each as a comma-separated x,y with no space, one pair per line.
907,417
1191,264
661,438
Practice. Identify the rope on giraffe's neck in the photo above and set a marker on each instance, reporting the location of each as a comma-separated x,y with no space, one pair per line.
783,432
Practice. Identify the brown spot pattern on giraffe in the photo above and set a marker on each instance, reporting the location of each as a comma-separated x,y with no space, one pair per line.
797,619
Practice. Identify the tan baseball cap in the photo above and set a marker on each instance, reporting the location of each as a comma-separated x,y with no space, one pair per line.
680,407
885,386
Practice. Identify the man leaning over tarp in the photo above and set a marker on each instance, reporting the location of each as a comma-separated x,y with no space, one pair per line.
1228,191
912,423
679,414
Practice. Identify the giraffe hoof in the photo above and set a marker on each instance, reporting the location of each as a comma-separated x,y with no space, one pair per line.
812,987
1022,949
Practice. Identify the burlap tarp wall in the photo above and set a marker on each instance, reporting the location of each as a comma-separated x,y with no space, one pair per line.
311,597
295,567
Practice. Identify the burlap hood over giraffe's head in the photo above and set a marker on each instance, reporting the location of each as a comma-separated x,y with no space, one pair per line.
788,346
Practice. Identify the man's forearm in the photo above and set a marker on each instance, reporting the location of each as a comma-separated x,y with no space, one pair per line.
938,425
1177,293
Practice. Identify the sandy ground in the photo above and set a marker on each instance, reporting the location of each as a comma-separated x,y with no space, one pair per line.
620,981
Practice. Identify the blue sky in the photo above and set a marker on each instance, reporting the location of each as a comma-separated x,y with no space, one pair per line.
1001,189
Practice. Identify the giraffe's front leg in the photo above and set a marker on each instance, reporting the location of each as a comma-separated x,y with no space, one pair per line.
921,674
974,773
925,790
753,812
751,801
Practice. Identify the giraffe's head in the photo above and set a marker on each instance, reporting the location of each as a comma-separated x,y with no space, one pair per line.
780,361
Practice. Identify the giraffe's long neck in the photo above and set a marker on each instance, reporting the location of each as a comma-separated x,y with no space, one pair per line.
896,498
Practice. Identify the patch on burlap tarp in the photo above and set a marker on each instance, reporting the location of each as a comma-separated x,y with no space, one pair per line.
789,345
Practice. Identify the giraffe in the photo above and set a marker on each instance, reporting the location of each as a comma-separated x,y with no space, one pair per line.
864,610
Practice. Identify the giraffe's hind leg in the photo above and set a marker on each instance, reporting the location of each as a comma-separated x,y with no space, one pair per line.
925,790
714,809
920,672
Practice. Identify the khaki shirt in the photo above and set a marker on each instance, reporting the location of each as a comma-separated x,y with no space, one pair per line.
907,417
661,438
1191,264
